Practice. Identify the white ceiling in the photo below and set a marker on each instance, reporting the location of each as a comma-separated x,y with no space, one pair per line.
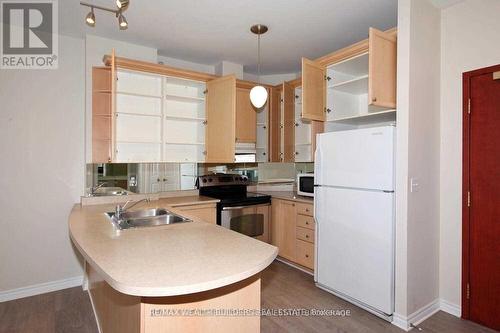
209,31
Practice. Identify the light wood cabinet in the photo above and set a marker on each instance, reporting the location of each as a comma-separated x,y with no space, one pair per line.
246,117
382,64
293,139
293,230
283,234
313,90
101,114
275,124
206,212
221,119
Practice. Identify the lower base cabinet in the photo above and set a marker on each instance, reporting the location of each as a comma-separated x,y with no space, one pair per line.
121,313
206,212
292,231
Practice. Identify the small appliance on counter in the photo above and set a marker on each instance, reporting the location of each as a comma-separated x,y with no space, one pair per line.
305,184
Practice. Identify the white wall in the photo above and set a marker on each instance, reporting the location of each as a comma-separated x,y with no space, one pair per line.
417,277
423,155
470,33
42,147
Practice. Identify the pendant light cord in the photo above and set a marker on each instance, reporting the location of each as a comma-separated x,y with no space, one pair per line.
258,57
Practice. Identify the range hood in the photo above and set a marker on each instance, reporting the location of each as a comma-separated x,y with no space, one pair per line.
245,153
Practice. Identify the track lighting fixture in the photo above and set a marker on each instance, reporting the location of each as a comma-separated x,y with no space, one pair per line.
90,19
122,6
122,22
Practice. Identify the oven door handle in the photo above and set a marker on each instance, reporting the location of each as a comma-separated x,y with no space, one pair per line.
242,207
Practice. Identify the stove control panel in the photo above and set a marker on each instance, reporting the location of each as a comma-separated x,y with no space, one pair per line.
221,179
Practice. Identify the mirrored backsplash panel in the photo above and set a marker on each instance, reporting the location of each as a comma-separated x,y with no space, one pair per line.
126,178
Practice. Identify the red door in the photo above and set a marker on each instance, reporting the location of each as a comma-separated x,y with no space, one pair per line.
481,187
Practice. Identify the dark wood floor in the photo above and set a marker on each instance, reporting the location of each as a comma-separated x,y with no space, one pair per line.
69,310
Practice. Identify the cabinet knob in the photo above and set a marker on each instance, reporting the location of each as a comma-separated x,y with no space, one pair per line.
307,236
264,127
328,110
307,256
307,209
293,205
296,124
296,153
264,153
374,99
158,180
164,179
204,122
307,223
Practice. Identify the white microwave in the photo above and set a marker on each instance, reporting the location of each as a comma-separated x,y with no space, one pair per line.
305,184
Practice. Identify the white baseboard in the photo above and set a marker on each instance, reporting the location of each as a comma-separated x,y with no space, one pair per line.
41,288
416,317
291,264
451,308
424,313
400,321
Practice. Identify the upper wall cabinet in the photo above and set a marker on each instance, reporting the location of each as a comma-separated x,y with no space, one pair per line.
292,138
221,119
101,114
246,117
382,63
313,90
359,85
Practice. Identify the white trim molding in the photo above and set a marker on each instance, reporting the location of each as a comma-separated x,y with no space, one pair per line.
416,317
424,313
42,288
451,308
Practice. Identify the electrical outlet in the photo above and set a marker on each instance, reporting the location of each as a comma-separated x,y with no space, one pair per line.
414,185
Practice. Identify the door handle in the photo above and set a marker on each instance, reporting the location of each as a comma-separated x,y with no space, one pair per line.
242,207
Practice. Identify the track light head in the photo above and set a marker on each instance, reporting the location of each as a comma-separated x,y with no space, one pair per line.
122,22
90,19
122,4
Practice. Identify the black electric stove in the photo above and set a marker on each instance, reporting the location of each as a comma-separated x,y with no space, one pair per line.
231,190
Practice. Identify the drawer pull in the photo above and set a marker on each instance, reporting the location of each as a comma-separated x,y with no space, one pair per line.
307,236
307,210
307,222
307,256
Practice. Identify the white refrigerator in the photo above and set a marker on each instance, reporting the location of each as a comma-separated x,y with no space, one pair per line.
354,212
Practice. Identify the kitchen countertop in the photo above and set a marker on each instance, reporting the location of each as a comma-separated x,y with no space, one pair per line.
167,260
288,195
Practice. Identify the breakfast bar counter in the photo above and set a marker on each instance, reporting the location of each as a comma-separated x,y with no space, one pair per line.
193,264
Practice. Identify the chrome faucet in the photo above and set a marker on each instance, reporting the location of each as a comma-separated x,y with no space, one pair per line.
119,210
95,188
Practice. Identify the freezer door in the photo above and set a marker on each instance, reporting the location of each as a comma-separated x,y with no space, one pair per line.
361,158
355,245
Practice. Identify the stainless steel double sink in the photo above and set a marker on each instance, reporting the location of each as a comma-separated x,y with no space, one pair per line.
145,218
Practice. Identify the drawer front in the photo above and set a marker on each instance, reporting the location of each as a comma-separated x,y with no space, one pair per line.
305,254
305,234
305,221
305,209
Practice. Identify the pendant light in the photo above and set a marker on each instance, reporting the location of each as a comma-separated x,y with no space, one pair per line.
258,94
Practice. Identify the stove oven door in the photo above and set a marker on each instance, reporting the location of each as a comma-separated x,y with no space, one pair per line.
251,220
